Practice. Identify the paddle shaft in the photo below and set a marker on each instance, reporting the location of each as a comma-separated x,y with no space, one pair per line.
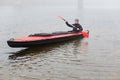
64,20
61,18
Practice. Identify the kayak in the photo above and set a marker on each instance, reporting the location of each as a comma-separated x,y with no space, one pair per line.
40,39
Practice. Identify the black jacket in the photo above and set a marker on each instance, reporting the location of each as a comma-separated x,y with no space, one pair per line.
76,27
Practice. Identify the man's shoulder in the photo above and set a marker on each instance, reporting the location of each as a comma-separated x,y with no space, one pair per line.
75,24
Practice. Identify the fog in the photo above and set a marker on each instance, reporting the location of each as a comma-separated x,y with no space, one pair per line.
37,2
102,4
71,3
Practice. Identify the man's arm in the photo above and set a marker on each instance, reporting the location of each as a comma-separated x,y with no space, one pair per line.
68,24
80,27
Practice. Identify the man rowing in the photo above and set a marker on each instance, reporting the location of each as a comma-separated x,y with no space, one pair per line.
76,26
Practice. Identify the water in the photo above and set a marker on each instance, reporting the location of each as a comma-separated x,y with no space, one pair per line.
96,58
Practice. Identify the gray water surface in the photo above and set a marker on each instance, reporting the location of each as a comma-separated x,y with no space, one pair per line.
96,58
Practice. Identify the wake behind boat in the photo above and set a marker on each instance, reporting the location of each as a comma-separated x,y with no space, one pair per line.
45,38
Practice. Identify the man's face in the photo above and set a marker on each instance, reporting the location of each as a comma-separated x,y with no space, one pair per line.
76,22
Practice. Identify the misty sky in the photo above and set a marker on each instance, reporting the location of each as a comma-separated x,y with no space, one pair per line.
87,3
102,3
39,2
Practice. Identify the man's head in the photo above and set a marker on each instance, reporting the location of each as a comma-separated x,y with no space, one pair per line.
76,21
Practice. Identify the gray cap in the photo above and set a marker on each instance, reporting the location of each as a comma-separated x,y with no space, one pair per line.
77,20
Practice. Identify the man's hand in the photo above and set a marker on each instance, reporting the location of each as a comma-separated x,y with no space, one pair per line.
78,29
66,21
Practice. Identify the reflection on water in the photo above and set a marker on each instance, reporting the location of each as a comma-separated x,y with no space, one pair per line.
83,47
77,45
30,51
47,62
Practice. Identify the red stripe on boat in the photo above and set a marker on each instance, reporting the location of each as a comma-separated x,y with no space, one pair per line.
35,38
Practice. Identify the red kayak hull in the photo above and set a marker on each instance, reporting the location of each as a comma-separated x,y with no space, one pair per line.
39,40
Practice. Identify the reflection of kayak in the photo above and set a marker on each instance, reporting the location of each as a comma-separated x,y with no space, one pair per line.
45,38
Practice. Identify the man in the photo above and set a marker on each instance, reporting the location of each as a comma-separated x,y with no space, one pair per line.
76,26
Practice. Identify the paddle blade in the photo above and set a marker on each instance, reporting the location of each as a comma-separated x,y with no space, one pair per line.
85,34
60,17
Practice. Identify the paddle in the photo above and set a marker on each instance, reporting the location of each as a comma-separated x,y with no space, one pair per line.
60,17
85,33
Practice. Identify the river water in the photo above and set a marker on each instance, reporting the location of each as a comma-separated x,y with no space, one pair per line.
96,58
